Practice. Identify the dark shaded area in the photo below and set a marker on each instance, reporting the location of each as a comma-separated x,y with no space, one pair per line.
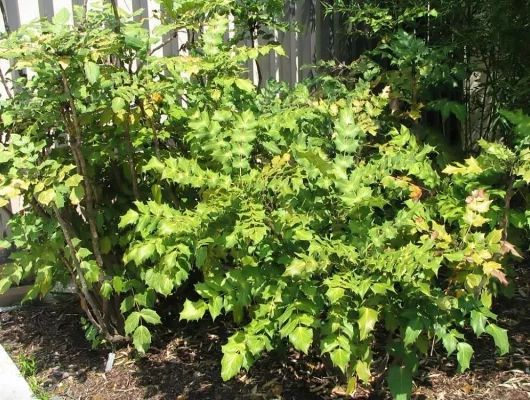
184,361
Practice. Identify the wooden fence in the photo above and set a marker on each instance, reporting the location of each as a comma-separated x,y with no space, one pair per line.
318,38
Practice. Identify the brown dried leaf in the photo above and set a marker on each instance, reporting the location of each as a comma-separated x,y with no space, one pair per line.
467,388
507,247
501,276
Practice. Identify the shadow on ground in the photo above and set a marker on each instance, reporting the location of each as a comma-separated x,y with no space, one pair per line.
184,362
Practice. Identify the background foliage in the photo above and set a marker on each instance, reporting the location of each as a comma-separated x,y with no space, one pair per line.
319,216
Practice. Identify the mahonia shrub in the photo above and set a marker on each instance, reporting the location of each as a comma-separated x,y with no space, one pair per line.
92,108
307,217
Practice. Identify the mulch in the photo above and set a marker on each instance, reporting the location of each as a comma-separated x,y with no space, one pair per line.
184,362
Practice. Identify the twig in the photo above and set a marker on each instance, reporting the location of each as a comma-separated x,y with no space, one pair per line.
4,82
164,43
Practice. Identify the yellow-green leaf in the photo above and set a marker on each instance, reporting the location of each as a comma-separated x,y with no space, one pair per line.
46,197
366,322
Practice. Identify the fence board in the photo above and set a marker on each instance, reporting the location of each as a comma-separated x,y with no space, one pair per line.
316,40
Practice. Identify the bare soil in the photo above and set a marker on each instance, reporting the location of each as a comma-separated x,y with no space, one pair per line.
184,362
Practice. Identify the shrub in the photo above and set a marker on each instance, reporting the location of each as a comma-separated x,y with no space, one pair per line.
309,219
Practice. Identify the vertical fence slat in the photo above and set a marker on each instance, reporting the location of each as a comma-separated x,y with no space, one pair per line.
289,64
126,5
46,8
4,67
153,10
306,45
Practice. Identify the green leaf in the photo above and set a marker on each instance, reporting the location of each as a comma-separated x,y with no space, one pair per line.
128,219
106,289
105,245
61,17
449,341
500,336
478,322
231,365
142,339
465,352
193,311
7,118
301,338
245,84
399,382
134,42
127,304
412,331
297,267
91,71
150,316
335,294
132,321
5,284
117,284
363,371
340,358
46,197
215,306
117,104
366,322
144,252
156,190
77,195
471,167
74,180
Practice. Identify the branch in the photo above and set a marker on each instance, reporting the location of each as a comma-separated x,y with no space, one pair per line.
4,15
76,148
116,15
4,82
98,319
164,43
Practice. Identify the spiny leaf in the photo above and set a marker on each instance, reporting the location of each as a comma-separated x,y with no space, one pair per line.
478,322
500,336
74,180
245,84
132,321
142,339
363,371
77,195
465,352
301,338
193,311
231,365
399,382
46,197
128,219
5,284
412,331
366,322
150,316
340,358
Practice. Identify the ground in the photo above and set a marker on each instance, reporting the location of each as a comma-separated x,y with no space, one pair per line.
184,362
